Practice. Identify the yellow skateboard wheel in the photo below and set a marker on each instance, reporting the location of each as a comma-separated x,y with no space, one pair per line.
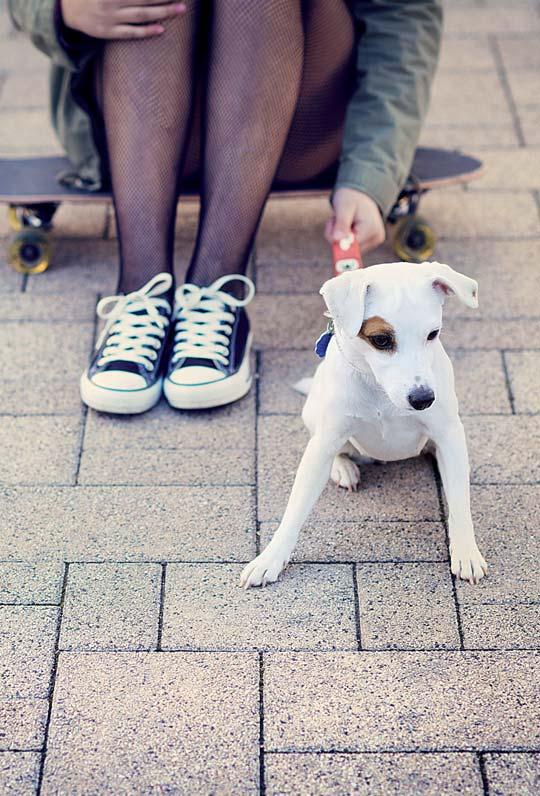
29,252
413,239
14,220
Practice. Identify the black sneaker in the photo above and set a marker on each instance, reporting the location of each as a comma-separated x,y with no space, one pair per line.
209,358
125,375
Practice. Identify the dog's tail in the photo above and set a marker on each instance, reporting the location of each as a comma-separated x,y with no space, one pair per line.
304,385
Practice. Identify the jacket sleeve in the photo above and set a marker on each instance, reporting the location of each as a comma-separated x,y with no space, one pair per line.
41,20
398,48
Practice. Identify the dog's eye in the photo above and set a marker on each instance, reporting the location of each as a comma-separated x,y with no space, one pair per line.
432,335
384,342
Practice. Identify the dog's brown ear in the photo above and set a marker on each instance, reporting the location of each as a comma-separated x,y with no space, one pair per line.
345,297
449,282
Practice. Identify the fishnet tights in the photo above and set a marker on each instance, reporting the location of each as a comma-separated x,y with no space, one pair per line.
275,80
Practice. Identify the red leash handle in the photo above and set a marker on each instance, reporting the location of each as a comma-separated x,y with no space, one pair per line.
346,255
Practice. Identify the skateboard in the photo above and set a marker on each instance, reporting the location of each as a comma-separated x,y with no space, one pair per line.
30,188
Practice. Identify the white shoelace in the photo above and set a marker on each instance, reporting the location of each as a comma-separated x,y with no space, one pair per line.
135,328
203,323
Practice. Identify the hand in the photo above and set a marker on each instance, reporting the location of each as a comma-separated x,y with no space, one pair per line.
119,19
354,211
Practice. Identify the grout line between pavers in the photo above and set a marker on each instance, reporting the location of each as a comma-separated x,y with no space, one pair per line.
84,407
444,521
356,594
262,772
457,751
258,361
500,70
508,382
53,680
483,772
161,605
295,650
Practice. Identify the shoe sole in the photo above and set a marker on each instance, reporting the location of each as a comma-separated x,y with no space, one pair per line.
119,402
207,396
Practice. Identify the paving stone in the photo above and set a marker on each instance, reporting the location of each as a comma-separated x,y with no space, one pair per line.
27,638
175,722
469,137
373,774
480,382
503,449
481,214
27,582
524,87
19,772
20,92
22,724
128,523
20,56
280,371
294,322
167,467
29,307
27,132
79,266
226,428
407,606
385,492
507,169
465,53
529,118
478,101
493,18
509,774
310,607
490,333
507,533
41,450
401,701
519,51
111,606
73,220
524,374
337,540
39,376
500,626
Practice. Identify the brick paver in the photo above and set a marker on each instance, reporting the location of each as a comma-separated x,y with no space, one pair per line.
130,661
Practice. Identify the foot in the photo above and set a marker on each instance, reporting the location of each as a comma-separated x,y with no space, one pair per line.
264,569
125,375
345,473
209,361
467,563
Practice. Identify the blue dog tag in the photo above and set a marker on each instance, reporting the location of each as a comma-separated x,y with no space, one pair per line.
322,343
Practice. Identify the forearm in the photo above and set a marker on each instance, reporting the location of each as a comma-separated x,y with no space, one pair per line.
396,61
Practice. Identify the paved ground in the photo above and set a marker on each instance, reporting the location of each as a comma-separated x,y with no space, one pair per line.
130,661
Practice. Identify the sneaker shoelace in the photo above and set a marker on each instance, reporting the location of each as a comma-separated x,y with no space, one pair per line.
203,320
135,327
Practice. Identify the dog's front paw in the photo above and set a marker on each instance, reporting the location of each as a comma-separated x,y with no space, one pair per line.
264,569
468,563
345,473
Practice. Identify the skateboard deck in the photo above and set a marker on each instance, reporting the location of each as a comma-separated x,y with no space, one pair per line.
30,188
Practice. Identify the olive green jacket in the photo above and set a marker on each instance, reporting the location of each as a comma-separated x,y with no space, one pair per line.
398,46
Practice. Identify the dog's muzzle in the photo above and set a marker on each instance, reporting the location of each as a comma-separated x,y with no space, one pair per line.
421,397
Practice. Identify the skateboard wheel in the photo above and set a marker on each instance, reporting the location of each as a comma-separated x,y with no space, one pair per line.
29,252
413,239
14,220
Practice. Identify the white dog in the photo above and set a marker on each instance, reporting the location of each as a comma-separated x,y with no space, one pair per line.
385,390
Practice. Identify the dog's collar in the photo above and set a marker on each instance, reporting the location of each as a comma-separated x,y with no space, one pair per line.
323,341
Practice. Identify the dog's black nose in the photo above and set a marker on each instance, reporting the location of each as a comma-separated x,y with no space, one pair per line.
421,397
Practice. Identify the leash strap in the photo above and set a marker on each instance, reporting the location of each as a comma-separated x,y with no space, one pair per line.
346,255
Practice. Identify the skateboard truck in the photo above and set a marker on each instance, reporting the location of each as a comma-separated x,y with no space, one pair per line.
346,255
